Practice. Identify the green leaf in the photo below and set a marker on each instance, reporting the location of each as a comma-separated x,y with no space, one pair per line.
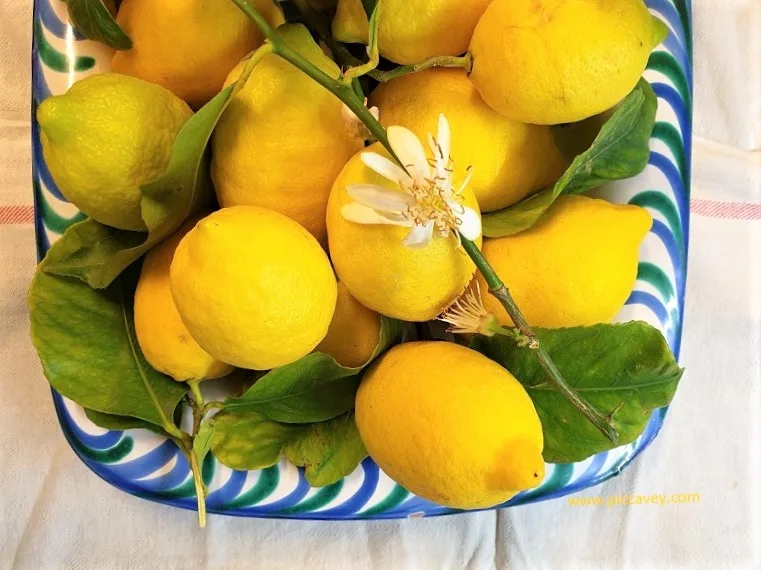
626,370
96,22
620,150
89,352
202,444
327,450
312,389
121,423
247,440
97,254
660,31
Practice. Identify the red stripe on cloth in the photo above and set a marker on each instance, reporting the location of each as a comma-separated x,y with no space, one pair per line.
726,210
10,215
16,215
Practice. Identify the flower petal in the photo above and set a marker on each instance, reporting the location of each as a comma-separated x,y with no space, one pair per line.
410,151
466,180
359,214
444,138
470,224
380,198
386,168
419,236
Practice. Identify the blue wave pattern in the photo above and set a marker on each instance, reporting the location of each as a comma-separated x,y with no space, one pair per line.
151,467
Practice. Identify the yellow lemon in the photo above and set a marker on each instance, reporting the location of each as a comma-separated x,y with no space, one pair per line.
410,31
575,267
354,332
510,160
410,284
253,287
561,61
104,138
281,142
164,339
450,425
188,46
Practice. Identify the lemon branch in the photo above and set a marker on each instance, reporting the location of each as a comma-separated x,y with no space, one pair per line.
501,292
463,61
318,23
345,92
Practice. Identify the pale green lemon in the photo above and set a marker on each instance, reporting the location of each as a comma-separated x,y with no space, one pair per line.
107,136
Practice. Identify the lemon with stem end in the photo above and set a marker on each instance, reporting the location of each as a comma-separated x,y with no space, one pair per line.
253,287
165,341
561,61
410,31
510,160
188,46
281,142
107,136
450,425
354,332
576,266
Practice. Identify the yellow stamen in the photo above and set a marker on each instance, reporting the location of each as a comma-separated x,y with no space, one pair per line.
467,315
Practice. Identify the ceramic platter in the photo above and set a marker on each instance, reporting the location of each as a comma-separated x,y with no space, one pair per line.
146,465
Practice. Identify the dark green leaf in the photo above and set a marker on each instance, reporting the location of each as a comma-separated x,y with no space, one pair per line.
86,342
247,440
626,370
327,450
121,423
620,150
96,22
312,389
97,254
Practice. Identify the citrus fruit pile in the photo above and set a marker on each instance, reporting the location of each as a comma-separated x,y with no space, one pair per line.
303,190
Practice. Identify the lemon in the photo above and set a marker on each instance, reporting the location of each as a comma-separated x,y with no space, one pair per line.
575,267
354,332
188,46
163,338
104,138
510,160
410,31
253,287
281,141
450,425
561,61
379,270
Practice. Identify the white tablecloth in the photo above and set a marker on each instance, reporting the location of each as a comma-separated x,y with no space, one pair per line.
55,513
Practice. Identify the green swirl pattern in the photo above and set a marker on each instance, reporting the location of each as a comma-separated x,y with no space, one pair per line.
146,465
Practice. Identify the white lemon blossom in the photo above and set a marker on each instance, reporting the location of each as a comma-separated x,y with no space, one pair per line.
426,200
354,126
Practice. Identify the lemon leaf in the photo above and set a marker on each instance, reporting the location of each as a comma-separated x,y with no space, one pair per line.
95,20
97,254
312,389
121,423
86,341
620,150
247,440
624,370
328,451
